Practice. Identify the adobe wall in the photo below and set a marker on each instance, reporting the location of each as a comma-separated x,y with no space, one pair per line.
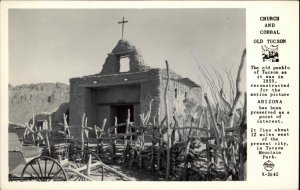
129,94
151,90
81,90
90,108
124,48
57,115
177,103
196,93
103,112
83,95
118,94
77,106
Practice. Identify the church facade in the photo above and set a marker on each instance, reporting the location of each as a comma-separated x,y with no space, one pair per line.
111,93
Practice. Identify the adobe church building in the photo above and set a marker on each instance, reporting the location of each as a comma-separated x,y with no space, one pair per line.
112,92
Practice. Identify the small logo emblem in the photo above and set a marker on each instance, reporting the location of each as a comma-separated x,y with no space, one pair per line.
270,53
268,165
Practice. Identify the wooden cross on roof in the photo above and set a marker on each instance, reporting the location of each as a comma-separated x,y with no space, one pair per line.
122,22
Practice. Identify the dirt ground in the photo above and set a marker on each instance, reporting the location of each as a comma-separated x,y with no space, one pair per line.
133,173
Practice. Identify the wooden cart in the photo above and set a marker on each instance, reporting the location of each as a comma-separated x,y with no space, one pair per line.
27,164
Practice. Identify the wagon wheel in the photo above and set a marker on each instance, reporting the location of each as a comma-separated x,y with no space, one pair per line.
87,163
43,168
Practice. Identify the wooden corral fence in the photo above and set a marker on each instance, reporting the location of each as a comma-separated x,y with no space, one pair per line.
214,148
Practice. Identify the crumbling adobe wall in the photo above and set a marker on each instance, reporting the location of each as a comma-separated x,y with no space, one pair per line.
57,115
196,93
152,85
40,117
151,90
183,92
124,48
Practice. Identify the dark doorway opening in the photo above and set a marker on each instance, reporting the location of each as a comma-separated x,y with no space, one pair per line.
121,112
39,125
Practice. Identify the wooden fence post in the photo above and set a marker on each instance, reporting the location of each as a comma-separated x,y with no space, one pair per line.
167,123
50,124
47,138
186,153
242,149
153,145
82,131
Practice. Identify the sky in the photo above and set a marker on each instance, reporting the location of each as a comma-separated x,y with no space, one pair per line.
54,45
